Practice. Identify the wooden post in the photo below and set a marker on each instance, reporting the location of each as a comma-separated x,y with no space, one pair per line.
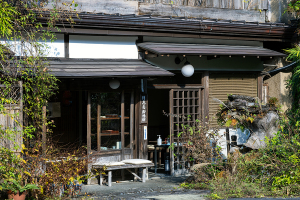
21,115
44,139
88,119
260,87
206,96
171,132
136,126
98,127
88,139
123,124
66,42
80,117
131,121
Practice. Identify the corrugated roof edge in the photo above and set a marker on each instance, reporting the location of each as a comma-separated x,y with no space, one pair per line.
158,17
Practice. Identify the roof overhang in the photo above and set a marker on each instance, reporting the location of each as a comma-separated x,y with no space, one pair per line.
148,25
83,68
206,49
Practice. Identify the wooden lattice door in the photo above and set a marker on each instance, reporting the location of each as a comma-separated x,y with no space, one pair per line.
185,109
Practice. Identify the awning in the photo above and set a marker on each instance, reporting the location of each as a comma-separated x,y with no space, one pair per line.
206,49
81,68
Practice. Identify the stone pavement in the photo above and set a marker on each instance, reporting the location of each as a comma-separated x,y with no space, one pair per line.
157,187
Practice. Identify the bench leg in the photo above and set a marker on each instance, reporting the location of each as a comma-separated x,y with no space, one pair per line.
134,177
89,181
144,175
109,178
101,179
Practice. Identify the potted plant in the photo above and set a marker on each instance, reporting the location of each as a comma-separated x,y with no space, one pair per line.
13,175
15,190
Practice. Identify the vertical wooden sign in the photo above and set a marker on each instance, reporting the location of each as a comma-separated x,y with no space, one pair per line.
144,109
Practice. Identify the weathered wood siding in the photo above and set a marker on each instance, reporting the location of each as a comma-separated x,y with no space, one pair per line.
230,4
11,119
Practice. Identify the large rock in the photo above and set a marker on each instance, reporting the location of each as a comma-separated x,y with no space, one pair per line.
262,128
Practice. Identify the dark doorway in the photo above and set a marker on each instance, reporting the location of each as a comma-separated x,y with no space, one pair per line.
158,122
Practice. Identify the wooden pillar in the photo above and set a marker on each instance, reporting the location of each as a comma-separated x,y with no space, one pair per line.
44,139
21,116
131,122
123,124
206,96
88,135
66,42
80,117
136,125
171,132
88,111
143,127
98,127
123,131
260,86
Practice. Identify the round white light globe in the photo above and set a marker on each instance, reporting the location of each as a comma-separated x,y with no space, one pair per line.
187,70
114,84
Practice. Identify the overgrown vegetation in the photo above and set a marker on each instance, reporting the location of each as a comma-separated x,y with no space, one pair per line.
272,171
27,160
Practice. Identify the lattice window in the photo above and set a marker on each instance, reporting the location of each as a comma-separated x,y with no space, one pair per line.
185,107
12,93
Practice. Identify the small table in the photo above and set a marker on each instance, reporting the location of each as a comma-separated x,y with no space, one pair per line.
165,146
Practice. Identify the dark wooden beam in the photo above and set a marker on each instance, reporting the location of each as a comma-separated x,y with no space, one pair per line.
98,127
83,31
136,125
66,43
88,139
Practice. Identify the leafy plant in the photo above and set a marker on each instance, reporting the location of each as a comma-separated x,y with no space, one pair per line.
15,186
37,162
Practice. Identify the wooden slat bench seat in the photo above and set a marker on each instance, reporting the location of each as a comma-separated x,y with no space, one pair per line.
127,167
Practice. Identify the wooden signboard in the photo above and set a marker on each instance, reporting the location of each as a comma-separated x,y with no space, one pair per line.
144,109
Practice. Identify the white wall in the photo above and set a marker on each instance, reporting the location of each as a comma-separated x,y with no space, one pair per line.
50,49
56,48
109,47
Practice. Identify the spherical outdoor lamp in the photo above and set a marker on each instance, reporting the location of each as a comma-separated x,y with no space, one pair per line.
187,70
114,84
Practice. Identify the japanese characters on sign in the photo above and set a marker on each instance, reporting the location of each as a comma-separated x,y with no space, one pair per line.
144,109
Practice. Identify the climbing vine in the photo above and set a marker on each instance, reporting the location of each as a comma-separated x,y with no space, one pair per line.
23,48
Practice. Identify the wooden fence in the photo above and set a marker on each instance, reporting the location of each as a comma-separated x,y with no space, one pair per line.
11,116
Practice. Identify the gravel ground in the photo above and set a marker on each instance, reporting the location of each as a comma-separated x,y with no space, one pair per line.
157,187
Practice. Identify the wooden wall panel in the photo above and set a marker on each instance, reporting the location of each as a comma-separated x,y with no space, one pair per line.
220,85
229,4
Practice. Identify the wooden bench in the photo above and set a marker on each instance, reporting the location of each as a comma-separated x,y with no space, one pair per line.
127,167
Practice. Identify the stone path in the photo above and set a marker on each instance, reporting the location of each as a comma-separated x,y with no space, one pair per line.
157,187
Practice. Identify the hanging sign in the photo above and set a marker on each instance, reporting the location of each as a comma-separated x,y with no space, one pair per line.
144,109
